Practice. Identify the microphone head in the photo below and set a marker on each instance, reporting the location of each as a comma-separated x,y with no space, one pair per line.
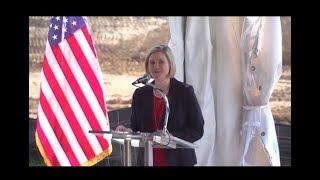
143,79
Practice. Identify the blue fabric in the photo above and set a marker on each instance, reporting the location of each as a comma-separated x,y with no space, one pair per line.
185,119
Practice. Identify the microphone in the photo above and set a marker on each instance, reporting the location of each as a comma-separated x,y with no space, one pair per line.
143,79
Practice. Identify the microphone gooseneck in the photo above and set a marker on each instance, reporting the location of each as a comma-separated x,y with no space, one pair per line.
167,110
143,79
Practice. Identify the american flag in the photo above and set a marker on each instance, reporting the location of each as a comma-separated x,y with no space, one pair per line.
72,98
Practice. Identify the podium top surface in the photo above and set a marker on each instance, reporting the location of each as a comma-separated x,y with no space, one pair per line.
139,138
123,135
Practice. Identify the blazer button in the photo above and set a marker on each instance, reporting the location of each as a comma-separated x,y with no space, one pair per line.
263,133
252,68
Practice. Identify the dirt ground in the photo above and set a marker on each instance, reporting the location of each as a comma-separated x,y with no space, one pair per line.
119,91
280,101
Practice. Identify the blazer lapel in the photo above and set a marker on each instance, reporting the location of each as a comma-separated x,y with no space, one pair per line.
171,103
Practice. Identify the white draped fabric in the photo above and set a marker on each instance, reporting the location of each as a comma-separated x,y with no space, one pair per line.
213,53
177,31
261,57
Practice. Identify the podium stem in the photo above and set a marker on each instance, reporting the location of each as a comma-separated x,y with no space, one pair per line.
127,152
148,153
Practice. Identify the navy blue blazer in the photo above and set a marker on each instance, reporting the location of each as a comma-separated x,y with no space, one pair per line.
185,119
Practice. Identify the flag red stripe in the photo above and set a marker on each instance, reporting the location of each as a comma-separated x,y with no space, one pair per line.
85,145
46,146
87,71
79,94
89,39
58,131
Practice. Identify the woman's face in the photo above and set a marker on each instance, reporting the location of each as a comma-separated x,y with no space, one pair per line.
159,66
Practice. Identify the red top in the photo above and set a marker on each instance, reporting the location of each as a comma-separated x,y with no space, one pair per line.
158,107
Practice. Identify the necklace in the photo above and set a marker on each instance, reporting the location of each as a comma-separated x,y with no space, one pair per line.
164,88
157,94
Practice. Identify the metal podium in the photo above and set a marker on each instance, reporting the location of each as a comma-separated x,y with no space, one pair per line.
159,139
146,140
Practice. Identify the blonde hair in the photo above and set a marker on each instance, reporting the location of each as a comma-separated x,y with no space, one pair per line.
168,53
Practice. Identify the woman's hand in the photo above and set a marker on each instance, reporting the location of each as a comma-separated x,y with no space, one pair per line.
121,128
